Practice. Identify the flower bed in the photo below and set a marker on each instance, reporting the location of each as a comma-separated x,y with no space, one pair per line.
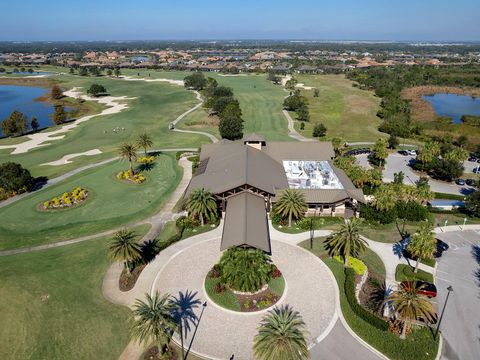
131,177
67,200
227,298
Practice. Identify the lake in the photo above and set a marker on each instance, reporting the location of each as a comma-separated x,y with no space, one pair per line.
22,98
454,105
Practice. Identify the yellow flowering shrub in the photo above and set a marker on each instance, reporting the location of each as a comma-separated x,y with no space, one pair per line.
130,176
146,159
67,199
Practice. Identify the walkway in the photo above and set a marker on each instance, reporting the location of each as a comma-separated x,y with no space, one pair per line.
291,128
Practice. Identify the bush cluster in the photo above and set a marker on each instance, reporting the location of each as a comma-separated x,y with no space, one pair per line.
356,307
130,176
357,265
67,199
410,211
146,159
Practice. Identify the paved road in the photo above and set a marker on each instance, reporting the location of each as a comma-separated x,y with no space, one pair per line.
397,162
460,268
291,128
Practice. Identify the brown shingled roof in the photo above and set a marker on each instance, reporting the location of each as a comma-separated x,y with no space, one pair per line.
246,223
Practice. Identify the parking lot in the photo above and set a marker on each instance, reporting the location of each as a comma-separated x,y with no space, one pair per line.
459,267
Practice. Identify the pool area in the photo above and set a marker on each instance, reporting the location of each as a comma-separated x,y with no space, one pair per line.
454,106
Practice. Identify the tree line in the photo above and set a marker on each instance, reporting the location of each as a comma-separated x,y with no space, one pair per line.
221,102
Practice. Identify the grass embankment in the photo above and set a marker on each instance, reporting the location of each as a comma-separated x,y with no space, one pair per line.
419,343
111,203
152,107
319,223
52,307
405,272
345,110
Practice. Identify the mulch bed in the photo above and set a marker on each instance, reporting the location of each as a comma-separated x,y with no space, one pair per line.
126,282
153,354
248,303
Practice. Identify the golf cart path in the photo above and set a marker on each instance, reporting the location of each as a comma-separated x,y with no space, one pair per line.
291,128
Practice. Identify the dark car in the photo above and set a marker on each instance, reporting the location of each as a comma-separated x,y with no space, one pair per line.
460,182
441,247
472,159
471,182
476,170
403,152
425,288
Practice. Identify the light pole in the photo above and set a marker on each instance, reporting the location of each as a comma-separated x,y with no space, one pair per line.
312,228
464,222
450,289
204,305
445,225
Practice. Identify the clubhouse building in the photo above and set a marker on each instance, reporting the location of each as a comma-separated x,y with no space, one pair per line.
247,175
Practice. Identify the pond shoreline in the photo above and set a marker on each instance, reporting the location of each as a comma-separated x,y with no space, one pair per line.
422,109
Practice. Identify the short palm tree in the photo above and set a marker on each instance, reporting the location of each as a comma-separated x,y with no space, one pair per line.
422,244
291,203
201,203
144,141
346,241
123,247
282,335
129,152
153,320
409,305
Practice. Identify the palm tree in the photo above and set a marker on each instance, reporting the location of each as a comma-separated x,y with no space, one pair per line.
291,203
144,141
422,244
201,203
129,152
123,247
282,335
410,305
346,241
385,198
152,320
428,152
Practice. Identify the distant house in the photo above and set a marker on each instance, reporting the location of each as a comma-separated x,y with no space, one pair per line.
445,205
307,69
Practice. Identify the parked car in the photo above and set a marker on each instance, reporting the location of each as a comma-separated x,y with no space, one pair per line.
476,170
403,152
441,247
471,182
460,182
171,126
472,159
426,289
412,152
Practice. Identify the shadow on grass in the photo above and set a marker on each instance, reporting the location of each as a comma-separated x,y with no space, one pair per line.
145,167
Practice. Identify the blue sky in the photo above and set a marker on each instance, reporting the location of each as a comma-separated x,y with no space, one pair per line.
243,19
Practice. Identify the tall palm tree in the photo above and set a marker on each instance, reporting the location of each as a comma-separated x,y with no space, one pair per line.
129,152
291,203
422,244
410,305
144,141
123,247
385,197
282,335
428,152
152,320
201,203
346,241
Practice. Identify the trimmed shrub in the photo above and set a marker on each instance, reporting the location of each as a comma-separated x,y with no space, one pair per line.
411,211
372,215
356,307
357,265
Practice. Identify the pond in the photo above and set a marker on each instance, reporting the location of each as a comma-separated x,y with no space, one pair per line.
453,105
35,73
22,98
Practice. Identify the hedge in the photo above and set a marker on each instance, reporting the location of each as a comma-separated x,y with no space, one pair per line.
356,307
357,265
179,223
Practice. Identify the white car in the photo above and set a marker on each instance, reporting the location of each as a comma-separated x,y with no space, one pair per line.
412,152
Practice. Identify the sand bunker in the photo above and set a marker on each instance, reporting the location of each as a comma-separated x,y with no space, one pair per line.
170,81
66,159
299,85
44,138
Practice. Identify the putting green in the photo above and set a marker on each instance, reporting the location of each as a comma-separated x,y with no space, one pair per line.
111,204
52,307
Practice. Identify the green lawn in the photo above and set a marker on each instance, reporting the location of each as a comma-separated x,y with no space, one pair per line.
52,307
154,106
387,233
260,100
405,272
324,223
345,110
112,203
